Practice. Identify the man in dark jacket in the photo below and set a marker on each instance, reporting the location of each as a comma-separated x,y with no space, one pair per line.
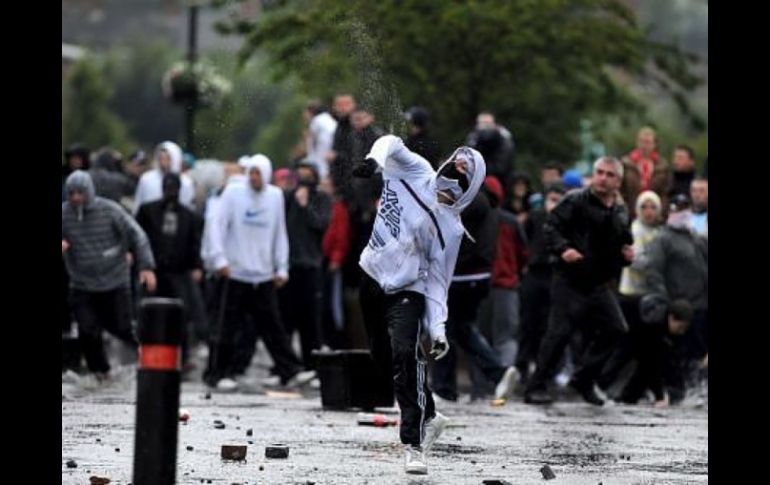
588,232
536,284
97,234
307,216
175,237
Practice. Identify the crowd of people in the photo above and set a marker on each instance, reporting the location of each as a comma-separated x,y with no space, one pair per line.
598,281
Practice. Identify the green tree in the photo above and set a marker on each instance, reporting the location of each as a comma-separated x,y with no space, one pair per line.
86,117
541,65
135,71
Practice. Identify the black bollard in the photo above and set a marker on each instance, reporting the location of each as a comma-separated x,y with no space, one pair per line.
157,400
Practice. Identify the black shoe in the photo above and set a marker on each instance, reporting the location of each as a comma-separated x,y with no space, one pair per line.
587,392
538,396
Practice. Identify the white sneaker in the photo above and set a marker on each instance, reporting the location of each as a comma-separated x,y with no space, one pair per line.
415,461
507,383
562,379
315,384
301,378
203,352
272,381
433,430
70,377
226,385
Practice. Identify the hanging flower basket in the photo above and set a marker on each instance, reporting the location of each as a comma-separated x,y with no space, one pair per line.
202,84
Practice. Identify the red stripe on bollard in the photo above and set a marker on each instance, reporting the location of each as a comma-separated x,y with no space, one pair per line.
159,357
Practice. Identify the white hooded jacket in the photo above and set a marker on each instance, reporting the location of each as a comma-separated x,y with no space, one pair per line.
415,239
248,229
150,187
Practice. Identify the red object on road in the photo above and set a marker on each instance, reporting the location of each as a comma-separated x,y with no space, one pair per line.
379,420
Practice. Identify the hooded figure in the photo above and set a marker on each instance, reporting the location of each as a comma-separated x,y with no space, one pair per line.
109,180
97,234
249,247
168,158
409,262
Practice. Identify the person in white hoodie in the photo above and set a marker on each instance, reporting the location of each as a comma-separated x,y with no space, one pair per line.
249,248
320,136
408,265
168,158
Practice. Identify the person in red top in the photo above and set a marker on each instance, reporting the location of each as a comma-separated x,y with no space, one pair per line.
335,247
644,169
510,260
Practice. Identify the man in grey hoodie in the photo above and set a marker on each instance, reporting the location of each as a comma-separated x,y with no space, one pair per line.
97,234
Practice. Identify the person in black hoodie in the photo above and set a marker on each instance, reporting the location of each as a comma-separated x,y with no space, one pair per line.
588,232
308,211
76,157
175,235
470,287
109,180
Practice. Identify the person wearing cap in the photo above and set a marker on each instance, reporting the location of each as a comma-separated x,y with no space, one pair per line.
678,270
588,233
572,179
419,139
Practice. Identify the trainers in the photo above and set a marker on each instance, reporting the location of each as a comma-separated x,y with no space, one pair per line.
272,381
315,383
507,383
440,400
226,385
70,377
301,378
433,430
538,396
415,461
587,392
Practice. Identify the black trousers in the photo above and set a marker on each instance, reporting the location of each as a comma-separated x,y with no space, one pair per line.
596,311
393,326
300,303
464,300
102,310
249,311
535,294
